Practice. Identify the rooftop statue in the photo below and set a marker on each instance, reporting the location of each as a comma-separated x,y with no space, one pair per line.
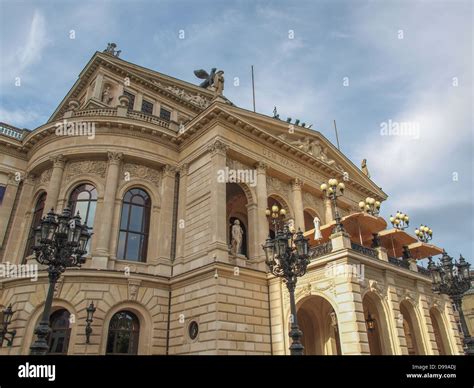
364,168
213,81
111,50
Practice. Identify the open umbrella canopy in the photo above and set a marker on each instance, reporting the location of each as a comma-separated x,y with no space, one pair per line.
420,250
360,226
393,241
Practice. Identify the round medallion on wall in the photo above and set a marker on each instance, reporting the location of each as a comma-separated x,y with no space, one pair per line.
193,330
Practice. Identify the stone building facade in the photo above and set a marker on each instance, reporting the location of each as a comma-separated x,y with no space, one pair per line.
159,270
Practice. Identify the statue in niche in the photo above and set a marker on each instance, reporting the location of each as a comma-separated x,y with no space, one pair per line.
107,95
364,168
317,228
237,238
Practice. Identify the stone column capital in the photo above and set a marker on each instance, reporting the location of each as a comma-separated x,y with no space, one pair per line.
168,170
296,184
183,169
218,148
58,161
14,178
261,167
115,157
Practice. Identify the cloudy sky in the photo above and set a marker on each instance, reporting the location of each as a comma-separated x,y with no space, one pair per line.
369,65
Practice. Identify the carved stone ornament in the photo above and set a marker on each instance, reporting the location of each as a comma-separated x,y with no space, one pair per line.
275,185
133,288
115,157
45,176
303,290
378,288
309,200
218,147
197,100
94,167
141,172
58,287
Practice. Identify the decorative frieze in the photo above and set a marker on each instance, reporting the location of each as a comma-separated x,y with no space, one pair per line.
275,185
45,176
138,171
94,167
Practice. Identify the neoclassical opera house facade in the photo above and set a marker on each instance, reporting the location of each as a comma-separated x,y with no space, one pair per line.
159,269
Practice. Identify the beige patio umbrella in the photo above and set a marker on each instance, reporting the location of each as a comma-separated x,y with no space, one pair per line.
360,226
393,241
420,250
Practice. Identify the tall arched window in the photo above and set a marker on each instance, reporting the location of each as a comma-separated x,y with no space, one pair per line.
124,331
60,332
134,226
84,200
36,221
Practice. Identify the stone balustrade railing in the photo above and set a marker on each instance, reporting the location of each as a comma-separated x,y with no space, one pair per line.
10,132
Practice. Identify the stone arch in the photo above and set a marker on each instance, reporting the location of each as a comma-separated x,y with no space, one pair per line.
285,204
77,180
380,338
314,319
412,328
146,325
309,213
440,331
35,317
153,191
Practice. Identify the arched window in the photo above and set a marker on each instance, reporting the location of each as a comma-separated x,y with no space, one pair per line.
84,200
124,331
60,332
36,221
134,226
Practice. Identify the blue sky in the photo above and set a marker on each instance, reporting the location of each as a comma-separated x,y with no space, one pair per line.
405,61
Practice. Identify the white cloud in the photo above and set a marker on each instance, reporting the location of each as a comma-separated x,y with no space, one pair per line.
30,53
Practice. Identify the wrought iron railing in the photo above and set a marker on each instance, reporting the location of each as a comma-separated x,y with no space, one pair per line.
364,250
424,271
398,262
320,250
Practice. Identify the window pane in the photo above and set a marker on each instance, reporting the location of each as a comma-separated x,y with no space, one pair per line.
133,246
84,195
147,107
136,219
2,193
124,217
91,214
138,200
165,114
121,245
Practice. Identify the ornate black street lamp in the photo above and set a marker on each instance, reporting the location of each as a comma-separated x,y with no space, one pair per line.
400,221
287,257
90,314
370,206
334,189
424,233
60,243
4,333
453,279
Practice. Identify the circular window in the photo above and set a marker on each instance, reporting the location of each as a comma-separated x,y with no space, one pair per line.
193,330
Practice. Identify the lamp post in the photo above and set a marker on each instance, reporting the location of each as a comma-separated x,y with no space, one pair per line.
400,221
4,333
370,206
60,243
453,279
287,257
334,189
424,233
90,314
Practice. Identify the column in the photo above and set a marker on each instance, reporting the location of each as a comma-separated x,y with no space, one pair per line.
181,221
328,210
7,205
165,228
252,235
20,229
297,197
98,87
102,251
218,238
262,203
55,183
